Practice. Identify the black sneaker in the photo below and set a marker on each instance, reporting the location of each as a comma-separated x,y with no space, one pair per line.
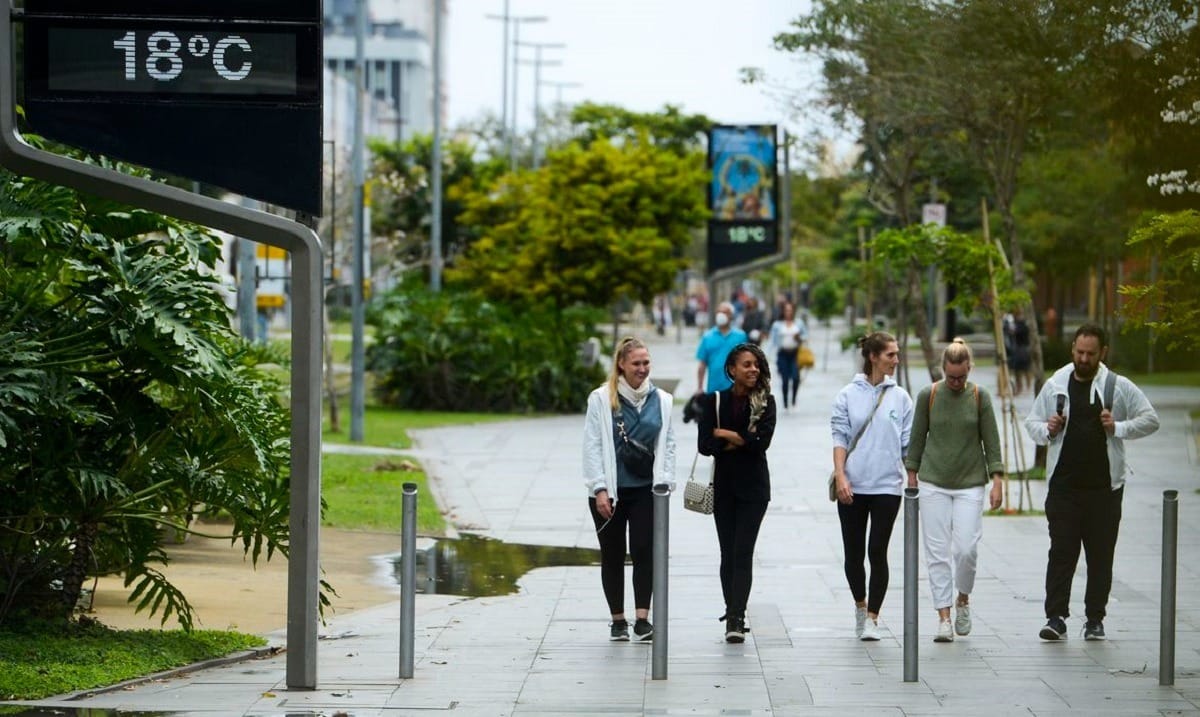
643,631
1094,630
618,631
1055,629
735,630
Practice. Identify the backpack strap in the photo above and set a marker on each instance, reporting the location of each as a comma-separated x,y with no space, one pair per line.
1110,389
933,392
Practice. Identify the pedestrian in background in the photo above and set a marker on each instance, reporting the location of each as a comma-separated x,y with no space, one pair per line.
787,336
714,348
627,409
875,415
736,430
955,446
1085,413
754,322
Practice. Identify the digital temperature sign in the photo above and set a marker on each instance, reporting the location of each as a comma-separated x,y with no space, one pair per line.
222,92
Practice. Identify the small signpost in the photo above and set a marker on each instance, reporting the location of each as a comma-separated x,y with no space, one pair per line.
226,92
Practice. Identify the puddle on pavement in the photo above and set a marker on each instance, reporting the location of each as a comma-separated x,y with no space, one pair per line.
479,567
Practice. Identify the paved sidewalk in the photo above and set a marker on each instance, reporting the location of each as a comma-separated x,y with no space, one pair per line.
544,651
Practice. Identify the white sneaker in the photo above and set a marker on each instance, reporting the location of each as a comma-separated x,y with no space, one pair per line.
962,620
870,631
860,619
944,632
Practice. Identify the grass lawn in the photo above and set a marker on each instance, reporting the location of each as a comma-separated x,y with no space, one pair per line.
38,662
388,427
364,493
1190,379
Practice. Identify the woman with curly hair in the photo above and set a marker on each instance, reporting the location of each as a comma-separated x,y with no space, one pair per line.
736,430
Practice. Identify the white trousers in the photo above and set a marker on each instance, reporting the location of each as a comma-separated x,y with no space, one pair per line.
952,523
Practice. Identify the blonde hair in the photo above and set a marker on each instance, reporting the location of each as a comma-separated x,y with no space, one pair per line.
957,352
624,347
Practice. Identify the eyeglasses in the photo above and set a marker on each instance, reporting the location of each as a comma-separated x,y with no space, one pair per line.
950,378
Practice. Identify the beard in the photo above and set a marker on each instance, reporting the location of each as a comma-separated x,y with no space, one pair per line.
1086,372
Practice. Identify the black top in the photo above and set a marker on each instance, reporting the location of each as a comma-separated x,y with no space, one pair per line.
1083,462
742,469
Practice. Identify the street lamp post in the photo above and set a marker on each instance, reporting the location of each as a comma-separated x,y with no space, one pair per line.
537,63
512,143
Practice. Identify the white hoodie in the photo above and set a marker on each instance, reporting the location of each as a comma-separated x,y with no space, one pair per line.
876,465
1131,410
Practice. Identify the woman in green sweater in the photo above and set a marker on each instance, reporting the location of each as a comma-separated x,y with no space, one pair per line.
955,445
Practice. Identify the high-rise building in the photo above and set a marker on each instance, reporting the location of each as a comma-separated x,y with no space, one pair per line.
398,52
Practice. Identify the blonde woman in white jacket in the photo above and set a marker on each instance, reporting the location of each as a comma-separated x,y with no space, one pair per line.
627,417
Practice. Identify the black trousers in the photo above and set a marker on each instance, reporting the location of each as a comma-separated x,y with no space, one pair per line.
879,511
1081,518
737,524
635,514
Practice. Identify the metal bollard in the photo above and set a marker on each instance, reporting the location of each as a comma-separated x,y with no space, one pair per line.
911,511
662,525
408,578
1166,625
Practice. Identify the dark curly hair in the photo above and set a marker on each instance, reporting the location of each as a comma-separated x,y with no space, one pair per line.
762,389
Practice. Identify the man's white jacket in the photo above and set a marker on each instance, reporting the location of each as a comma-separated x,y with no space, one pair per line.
1133,415
600,452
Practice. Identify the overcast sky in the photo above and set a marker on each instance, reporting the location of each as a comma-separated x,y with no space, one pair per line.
640,54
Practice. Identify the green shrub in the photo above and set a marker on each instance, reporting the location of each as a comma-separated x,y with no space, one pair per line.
459,352
826,299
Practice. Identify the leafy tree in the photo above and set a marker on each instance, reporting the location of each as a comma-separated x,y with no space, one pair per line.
596,224
127,404
402,200
669,129
1171,304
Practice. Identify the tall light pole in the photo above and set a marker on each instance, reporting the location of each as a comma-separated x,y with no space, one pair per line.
358,398
559,87
435,225
512,143
505,18
537,88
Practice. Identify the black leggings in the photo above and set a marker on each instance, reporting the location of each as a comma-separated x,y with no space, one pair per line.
635,509
737,531
881,511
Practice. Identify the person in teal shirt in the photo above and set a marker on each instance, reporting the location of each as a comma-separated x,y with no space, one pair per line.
715,345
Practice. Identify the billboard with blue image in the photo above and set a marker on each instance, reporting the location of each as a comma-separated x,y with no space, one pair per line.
743,173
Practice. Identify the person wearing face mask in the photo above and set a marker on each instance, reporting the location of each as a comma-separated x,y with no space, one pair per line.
715,345
626,412
1085,413
736,428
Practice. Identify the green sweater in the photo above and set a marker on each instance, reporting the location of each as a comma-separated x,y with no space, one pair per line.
956,444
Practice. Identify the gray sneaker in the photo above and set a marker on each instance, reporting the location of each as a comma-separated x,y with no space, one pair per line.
962,620
1094,630
618,631
860,621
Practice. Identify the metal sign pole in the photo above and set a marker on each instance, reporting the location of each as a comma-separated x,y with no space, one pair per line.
305,246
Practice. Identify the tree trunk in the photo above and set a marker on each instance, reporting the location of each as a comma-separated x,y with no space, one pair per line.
335,424
76,570
921,322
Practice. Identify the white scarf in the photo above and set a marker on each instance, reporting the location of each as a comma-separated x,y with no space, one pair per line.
635,396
